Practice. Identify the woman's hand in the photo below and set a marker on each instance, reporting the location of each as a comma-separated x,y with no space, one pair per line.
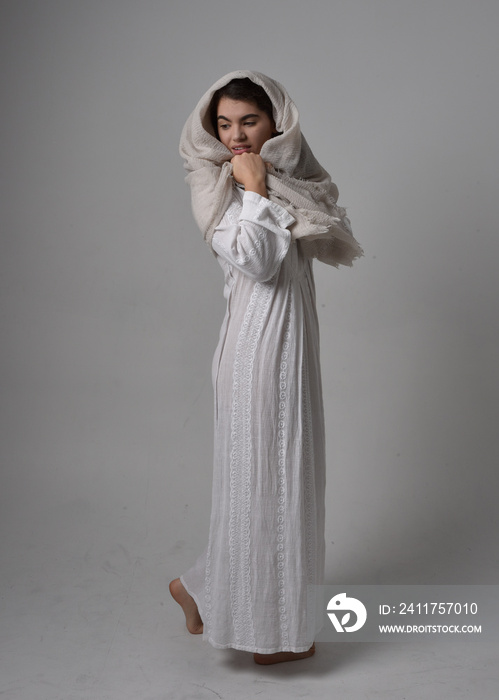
250,170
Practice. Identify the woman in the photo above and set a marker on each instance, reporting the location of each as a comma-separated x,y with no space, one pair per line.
267,208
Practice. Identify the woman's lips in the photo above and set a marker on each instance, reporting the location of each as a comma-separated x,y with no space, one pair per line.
240,149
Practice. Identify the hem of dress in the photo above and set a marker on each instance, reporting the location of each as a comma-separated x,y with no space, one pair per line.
259,650
241,647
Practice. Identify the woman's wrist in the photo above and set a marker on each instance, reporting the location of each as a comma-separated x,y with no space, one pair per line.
257,186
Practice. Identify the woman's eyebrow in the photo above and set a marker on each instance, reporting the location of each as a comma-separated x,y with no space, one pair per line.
246,116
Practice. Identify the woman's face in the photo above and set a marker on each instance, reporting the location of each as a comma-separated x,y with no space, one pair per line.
242,127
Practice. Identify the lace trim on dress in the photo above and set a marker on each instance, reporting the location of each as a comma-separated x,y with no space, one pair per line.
207,590
241,465
281,499
309,480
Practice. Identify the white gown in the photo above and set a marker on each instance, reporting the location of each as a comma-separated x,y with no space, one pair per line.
266,539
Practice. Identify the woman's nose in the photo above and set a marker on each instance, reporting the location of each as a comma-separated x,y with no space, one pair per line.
239,134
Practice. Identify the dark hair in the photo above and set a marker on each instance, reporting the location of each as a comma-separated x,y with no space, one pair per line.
240,89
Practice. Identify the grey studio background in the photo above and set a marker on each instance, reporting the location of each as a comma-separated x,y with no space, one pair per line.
111,306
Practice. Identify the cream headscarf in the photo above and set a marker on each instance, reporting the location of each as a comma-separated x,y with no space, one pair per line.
296,180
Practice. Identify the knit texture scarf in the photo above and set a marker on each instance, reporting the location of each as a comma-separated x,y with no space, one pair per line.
295,180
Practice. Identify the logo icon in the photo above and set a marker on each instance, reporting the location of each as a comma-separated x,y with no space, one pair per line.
343,606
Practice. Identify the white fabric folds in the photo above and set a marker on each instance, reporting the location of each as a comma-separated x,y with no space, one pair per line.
296,180
266,538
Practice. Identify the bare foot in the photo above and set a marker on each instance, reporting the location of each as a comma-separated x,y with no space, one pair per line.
280,656
193,619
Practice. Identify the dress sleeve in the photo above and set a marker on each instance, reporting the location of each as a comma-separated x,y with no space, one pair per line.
256,240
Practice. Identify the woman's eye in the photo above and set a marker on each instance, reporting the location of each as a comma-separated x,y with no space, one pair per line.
249,123
223,126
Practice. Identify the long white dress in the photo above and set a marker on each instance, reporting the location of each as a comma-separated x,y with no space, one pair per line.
266,538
